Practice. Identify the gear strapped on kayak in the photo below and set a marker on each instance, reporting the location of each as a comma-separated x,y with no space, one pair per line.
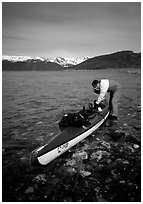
82,117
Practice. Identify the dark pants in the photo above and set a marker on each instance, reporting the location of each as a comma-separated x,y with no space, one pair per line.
113,101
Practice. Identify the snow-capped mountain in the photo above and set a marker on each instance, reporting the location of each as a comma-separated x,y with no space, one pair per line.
64,62
20,58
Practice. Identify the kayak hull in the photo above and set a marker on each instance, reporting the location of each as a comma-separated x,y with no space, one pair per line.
65,141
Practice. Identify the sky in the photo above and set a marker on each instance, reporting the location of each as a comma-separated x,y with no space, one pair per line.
70,29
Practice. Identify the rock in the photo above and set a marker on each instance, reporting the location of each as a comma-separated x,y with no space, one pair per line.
108,123
41,178
125,124
132,139
129,149
101,199
68,199
71,170
111,166
108,180
85,147
127,133
106,144
122,182
85,173
71,162
105,161
29,190
54,182
39,123
117,134
51,134
135,146
119,160
125,162
80,155
137,127
99,155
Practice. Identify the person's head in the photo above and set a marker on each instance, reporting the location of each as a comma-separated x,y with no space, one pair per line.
96,85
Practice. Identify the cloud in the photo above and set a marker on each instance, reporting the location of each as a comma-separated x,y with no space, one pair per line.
70,27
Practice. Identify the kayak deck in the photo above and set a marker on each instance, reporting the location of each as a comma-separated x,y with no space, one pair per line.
70,133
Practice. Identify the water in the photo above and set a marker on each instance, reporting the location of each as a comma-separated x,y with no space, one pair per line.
34,102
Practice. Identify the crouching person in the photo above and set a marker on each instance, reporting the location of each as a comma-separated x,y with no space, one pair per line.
103,86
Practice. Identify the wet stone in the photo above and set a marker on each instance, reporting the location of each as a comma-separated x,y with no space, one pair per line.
136,146
29,190
99,155
137,127
71,162
106,144
85,173
71,170
80,155
132,139
117,134
41,178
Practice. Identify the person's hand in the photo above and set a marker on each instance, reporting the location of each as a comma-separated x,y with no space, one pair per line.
102,104
96,105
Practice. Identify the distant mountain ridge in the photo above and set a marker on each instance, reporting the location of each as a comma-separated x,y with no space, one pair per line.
64,62
121,59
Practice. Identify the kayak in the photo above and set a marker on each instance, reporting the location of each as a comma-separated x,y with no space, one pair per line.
67,138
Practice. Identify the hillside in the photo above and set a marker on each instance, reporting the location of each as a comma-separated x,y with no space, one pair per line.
122,59
30,65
